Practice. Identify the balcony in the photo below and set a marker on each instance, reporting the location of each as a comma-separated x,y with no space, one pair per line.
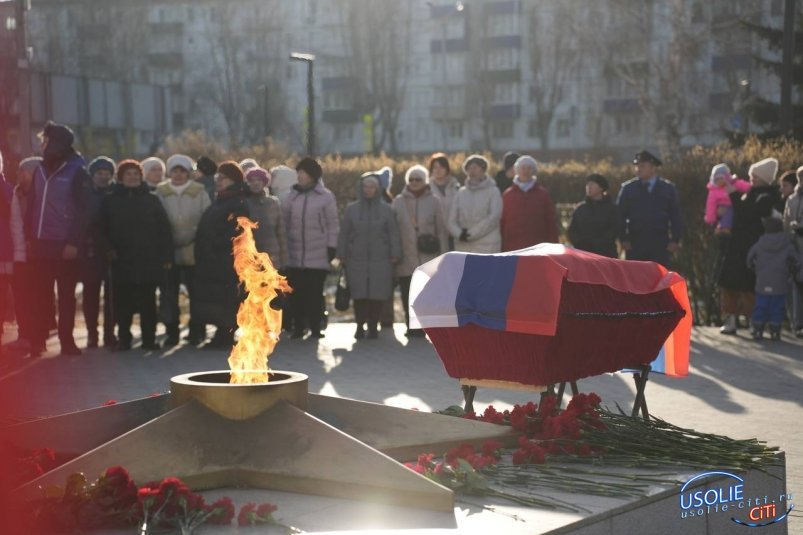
448,113
503,8
731,62
504,41
722,102
444,10
502,75
504,111
452,45
341,116
621,106
93,31
167,60
157,28
335,83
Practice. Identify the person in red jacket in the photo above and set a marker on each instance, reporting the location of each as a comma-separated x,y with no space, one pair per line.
528,213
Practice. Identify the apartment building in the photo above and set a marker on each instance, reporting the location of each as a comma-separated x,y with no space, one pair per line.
560,77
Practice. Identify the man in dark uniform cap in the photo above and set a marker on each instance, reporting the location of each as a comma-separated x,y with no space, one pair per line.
651,225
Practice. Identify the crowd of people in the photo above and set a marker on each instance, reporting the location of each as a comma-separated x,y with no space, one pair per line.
759,228
129,229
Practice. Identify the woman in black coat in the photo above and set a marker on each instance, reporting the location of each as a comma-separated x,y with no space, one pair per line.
736,280
218,293
595,222
139,245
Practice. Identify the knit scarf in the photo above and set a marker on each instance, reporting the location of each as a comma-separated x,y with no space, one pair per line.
524,186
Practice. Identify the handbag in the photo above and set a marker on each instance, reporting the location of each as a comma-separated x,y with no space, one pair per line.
342,293
425,243
429,244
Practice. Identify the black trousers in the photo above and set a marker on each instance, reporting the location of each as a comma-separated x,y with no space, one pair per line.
168,301
404,286
95,278
132,298
64,274
307,297
22,287
368,311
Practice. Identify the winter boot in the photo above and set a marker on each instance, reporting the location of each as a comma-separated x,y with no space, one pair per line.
92,339
758,331
172,339
775,331
360,333
729,325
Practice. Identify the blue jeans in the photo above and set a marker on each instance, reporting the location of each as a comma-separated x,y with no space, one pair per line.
769,309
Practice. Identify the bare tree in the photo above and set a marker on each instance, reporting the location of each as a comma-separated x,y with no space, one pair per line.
243,69
480,87
661,72
554,58
377,40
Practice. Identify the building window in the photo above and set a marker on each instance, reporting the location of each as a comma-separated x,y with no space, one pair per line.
455,64
337,100
506,93
562,128
454,129
344,132
506,24
454,95
532,129
776,8
453,28
503,58
313,11
502,129
627,124
697,12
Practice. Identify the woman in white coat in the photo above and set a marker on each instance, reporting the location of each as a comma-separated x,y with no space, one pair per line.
477,208
422,228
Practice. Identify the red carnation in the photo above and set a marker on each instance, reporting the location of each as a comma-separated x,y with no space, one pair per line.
266,509
245,518
490,447
223,511
520,457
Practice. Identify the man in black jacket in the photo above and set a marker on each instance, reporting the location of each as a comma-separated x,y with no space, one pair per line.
56,230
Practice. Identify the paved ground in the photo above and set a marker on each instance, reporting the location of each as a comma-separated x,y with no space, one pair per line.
736,387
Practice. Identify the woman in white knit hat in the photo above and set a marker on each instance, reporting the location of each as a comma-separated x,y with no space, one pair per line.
283,179
155,171
736,281
423,231
476,211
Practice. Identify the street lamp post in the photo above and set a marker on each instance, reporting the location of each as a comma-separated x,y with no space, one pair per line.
23,62
309,59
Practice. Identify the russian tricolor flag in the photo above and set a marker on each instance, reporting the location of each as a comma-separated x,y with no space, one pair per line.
549,291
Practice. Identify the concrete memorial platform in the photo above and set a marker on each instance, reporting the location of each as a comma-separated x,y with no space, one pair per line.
401,373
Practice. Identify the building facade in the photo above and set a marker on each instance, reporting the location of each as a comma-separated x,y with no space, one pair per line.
563,78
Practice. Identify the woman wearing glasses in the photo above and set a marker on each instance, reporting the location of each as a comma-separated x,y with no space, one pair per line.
423,231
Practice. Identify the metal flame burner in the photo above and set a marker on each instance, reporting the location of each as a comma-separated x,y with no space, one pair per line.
239,401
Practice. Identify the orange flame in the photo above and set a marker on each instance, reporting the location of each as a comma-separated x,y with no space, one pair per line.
259,324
